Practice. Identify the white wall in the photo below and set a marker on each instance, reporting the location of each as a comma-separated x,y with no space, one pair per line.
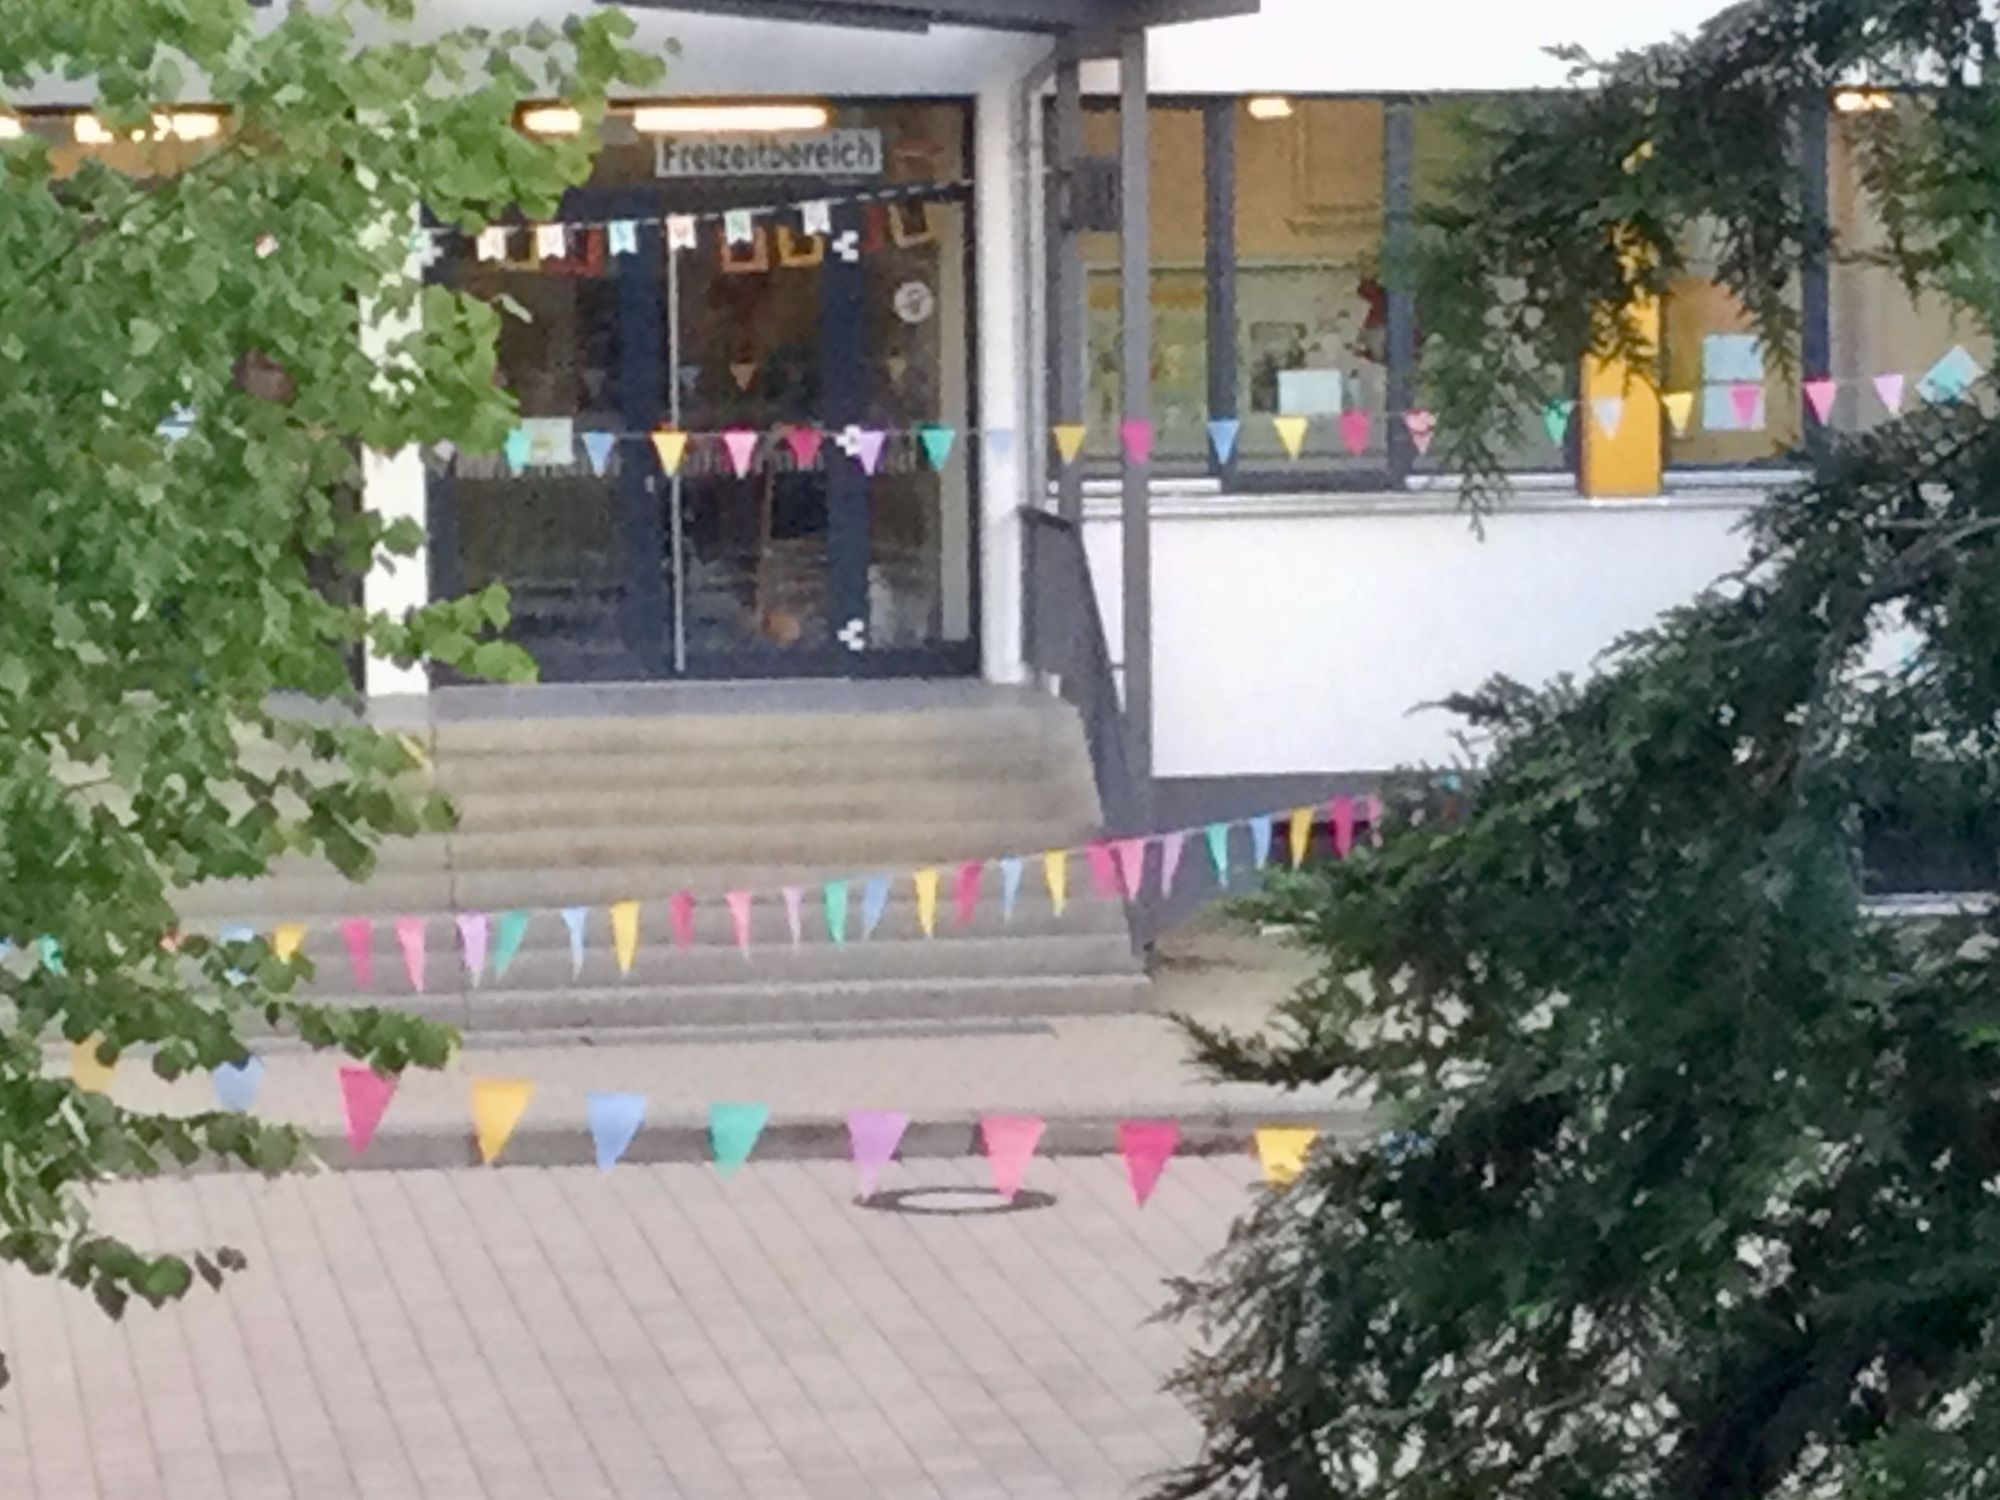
1291,637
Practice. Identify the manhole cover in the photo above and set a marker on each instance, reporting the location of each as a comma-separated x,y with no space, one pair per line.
956,1202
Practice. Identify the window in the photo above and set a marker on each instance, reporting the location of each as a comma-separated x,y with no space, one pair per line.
1748,408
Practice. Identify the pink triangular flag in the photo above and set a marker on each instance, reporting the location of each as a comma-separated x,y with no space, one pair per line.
1170,860
742,446
410,935
874,1135
795,903
1371,814
1819,395
472,935
965,890
1341,812
804,443
739,917
1423,427
1137,435
1747,397
1890,389
1132,864
365,1095
868,445
682,910
359,935
1355,430
1010,1146
1103,871
1147,1146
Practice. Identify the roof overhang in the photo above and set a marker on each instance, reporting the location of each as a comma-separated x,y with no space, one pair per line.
1049,16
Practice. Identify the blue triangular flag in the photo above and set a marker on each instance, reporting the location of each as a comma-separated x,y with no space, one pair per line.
598,446
1010,885
614,1124
836,912
623,237
1222,435
1260,839
874,901
1218,850
515,449
1000,441
573,918
50,952
236,1085
1555,417
1950,377
937,441
732,1133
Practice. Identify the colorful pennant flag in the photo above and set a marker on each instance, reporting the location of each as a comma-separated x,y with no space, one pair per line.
874,902
497,1107
1222,435
1679,407
1341,813
364,1097
873,1136
741,443
1218,850
937,444
671,445
1069,438
88,1071
615,1120
1147,1146
732,1133
739,903
1951,377
1292,433
834,895
1010,1142
1610,413
358,933
1131,856
926,883
551,241
680,911
515,449
1746,399
622,237
492,242
795,902
1171,846
1889,391
410,938
507,941
1422,426
597,447
1556,418
1356,429
625,933
805,443
681,232
574,918
236,1085
1281,1150
286,940
1260,840
472,940
739,226
965,890
1010,885
1103,871
1819,396
816,217
1301,831
1135,435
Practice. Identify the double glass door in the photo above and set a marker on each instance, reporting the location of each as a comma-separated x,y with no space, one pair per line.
789,540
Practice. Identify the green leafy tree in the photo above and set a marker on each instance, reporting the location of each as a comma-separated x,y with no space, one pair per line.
1692,1182
157,593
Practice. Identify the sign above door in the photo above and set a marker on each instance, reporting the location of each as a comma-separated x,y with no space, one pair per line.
825,153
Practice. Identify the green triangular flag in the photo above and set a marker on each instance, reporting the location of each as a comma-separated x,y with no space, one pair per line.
1555,417
732,1133
836,912
1218,849
507,940
937,443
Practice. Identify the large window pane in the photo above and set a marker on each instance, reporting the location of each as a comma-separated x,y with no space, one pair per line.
1747,403
1180,292
1312,304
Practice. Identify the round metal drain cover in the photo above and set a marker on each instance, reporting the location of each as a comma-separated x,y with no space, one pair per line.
956,1202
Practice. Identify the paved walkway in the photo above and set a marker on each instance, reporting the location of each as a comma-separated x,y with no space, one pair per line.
658,1332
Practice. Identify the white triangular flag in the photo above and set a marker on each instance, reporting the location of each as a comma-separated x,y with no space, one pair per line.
551,241
681,232
740,226
817,216
493,242
623,237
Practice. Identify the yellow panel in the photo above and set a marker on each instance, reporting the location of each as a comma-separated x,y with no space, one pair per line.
1629,464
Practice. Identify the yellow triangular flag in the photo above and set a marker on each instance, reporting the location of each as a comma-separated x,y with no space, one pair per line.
1680,410
85,1071
1055,870
497,1107
1282,1150
1302,832
286,940
625,933
672,446
1292,433
926,882
1069,439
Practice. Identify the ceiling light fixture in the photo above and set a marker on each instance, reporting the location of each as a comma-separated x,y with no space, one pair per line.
1863,101
1270,107
11,128
551,119
729,119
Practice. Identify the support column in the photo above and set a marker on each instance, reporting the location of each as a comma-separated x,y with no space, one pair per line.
1069,313
1135,362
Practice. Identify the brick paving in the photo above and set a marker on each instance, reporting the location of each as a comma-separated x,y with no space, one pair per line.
656,1332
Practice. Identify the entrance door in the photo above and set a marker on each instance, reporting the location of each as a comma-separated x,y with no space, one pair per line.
808,530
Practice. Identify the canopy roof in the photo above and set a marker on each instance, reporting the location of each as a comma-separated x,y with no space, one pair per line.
1001,15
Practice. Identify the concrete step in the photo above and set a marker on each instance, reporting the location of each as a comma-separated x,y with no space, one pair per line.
665,802
581,1013
1031,725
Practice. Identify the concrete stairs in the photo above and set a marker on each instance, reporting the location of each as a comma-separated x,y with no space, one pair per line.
585,796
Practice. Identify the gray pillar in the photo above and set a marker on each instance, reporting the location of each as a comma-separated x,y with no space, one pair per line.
1135,362
1069,312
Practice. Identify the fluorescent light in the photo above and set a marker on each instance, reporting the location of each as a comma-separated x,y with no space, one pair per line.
90,131
551,119
1270,107
1862,101
728,119
10,127
189,125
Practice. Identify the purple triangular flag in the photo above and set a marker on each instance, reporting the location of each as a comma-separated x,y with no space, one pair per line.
472,935
874,1135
